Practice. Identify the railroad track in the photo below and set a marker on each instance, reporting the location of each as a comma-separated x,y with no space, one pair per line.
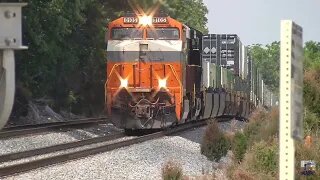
99,148
38,128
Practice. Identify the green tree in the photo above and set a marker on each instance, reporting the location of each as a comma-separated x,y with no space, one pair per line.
311,54
51,55
191,12
67,49
267,59
311,87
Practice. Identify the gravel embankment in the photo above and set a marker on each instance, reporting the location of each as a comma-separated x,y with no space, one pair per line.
232,126
35,141
63,152
141,161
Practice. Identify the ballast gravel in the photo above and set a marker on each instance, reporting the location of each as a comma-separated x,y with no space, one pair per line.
232,125
32,142
139,161
33,158
24,143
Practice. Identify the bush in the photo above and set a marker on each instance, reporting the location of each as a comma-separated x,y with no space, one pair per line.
172,171
214,144
239,146
263,158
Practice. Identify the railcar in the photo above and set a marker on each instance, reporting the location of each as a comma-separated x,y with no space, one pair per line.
157,75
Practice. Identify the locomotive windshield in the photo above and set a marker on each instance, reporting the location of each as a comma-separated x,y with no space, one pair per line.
163,33
126,33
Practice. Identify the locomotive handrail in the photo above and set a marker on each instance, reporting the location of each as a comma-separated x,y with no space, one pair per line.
176,76
174,73
105,85
114,66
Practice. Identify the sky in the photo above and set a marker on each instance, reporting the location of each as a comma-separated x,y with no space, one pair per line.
258,21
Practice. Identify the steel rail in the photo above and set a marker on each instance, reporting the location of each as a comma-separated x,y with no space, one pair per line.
38,128
60,158
58,147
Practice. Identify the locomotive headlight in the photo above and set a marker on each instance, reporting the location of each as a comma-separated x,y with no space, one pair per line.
162,83
145,20
123,83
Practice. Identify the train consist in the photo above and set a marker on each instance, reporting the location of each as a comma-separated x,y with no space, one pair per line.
160,72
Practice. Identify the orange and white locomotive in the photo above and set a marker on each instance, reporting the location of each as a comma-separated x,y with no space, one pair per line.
153,72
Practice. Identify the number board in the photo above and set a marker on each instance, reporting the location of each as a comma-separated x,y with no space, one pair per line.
159,20
130,20
135,20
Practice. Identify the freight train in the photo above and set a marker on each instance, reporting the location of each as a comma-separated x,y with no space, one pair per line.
161,72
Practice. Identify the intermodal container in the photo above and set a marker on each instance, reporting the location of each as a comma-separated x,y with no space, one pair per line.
226,50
